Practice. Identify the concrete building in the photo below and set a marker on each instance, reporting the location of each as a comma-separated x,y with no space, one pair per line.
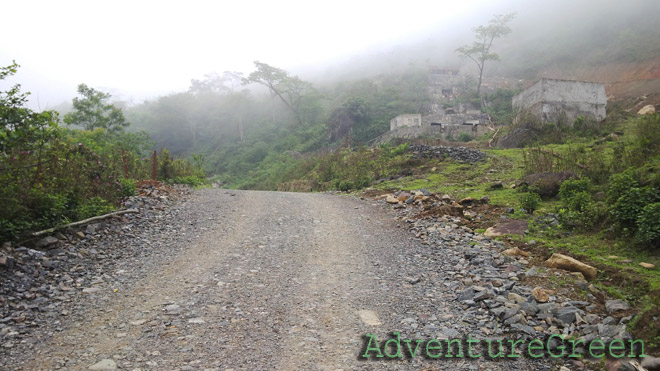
406,120
551,100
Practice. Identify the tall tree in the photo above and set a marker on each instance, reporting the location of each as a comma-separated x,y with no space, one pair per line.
290,89
479,52
92,111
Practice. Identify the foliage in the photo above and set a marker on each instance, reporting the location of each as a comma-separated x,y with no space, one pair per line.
628,206
647,132
529,201
648,226
91,111
128,187
291,90
464,137
190,180
498,105
480,50
345,185
52,175
578,206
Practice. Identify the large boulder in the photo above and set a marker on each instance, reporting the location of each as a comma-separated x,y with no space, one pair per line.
546,184
572,265
511,226
647,110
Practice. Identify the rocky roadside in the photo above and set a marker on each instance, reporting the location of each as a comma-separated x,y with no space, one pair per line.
42,287
489,278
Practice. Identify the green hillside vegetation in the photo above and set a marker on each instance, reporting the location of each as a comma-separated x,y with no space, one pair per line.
51,175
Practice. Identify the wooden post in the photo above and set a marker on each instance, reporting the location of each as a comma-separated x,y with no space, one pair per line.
153,174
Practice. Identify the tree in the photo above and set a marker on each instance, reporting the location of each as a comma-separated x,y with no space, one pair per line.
226,83
21,129
290,89
479,52
92,111
343,119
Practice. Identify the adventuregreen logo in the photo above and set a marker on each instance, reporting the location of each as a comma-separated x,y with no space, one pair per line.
554,346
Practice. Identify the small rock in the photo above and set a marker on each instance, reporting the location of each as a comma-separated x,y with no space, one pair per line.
514,251
391,200
647,265
540,295
516,298
91,290
196,321
369,317
45,242
138,322
173,309
104,364
614,306
651,363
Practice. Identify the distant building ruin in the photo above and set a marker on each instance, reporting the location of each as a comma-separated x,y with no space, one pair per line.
552,100
448,117
406,120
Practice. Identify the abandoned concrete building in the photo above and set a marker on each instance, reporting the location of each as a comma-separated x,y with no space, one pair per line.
406,120
448,118
552,100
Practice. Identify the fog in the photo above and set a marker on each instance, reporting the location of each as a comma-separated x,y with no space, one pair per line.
140,50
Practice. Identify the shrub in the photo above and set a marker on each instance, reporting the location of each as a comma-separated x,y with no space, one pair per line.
464,137
529,201
128,187
628,207
568,188
92,207
647,224
190,180
346,185
619,184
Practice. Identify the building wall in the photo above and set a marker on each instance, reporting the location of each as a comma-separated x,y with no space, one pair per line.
551,100
406,120
443,131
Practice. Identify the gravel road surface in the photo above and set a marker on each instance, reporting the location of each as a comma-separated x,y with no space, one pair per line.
244,280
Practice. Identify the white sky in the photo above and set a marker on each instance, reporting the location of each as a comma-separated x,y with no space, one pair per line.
145,48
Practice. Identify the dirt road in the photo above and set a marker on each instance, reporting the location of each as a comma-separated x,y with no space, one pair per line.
266,280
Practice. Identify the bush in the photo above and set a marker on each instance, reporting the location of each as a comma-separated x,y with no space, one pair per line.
92,207
530,201
619,184
569,188
628,207
190,180
128,188
346,185
647,224
578,207
464,137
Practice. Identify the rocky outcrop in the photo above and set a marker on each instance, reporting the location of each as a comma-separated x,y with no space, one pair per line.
547,184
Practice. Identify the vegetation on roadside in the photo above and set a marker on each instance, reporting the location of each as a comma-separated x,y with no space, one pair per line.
52,175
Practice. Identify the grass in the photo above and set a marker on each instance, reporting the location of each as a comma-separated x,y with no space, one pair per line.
468,180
